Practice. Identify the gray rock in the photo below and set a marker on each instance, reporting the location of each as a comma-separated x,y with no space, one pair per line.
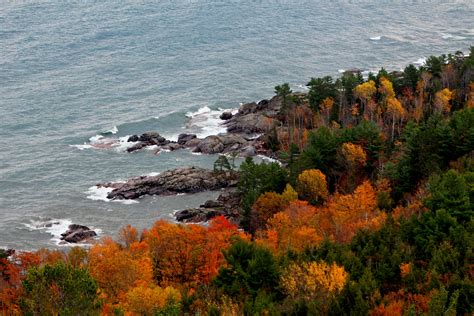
226,116
210,145
186,180
184,138
77,233
211,204
248,151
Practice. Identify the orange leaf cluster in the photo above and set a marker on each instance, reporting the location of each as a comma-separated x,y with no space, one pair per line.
189,254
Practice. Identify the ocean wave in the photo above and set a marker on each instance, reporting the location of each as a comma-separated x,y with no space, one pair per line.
206,121
96,193
453,37
375,38
113,130
55,227
420,61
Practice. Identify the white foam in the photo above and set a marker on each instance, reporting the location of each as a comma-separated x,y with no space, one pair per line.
200,111
341,71
376,38
420,61
96,193
153,174
113,130
55,227
265,158
453,37
82,147
207,122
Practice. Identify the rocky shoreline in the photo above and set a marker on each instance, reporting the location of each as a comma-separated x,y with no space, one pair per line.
246,136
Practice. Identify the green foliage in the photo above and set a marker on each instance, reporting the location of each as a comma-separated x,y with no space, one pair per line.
251,272
429,147
256,179
60,290
320,89
222,163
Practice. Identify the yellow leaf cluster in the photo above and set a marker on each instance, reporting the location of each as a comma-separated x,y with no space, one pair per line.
144,300
312,280
365,90
312,186
354,154
442,99
386,88
395,108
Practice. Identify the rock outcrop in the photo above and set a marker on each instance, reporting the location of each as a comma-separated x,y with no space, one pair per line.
147,139
77,233
227,204
185,180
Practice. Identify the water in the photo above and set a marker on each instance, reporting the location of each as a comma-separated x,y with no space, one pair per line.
69,71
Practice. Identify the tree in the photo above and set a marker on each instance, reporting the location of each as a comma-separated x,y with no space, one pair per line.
319,90
151,300
365,91
314,281
442,101
312,186
117,269
188,255
60,290
250,269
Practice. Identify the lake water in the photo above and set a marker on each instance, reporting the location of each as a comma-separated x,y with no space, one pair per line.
73,72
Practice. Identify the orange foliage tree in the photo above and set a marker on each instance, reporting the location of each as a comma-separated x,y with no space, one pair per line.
293,229
118,269
344,215
189,255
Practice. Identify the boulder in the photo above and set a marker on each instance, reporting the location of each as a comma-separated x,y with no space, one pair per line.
226,116
184,138
196,215
210,145
133,138
77,233
211,204
248,151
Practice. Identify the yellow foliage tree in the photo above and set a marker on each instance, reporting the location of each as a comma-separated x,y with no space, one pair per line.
386,88
395,112
289,194
442,101
314,281
312,186
354,155
145,300
365,91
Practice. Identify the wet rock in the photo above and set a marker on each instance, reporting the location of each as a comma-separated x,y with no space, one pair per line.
185,180
184,138
212,204
77,233
210,145
248,151
133,138
226,116
196,215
